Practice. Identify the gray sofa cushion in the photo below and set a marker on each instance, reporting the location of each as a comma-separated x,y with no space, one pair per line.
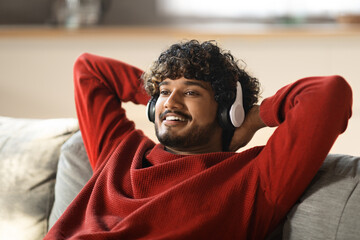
74,171
329,209
29,152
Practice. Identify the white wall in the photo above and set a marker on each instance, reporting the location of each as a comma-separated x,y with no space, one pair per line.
36,67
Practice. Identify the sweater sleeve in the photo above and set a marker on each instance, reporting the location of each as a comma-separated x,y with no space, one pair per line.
101,84
310,114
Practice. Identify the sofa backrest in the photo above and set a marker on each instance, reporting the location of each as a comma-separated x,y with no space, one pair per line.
74,171
29,153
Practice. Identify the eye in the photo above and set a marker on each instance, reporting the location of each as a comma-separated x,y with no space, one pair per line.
164,92
191,93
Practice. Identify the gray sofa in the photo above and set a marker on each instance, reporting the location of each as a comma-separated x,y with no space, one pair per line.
43,165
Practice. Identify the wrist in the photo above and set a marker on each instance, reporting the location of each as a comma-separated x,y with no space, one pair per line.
256,122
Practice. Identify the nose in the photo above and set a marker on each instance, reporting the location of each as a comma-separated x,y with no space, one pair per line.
174,101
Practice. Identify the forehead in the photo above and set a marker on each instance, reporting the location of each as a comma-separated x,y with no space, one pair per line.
184,82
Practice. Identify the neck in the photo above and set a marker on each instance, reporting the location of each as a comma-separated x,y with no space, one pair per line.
188,151
211,146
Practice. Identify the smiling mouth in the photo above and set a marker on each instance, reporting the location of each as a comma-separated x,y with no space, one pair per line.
175,118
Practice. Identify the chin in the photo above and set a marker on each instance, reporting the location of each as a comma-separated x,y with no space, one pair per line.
195,136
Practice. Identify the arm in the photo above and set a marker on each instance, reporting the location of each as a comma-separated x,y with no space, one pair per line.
101,84
310,114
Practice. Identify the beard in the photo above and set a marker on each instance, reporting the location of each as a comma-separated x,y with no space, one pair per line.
194,137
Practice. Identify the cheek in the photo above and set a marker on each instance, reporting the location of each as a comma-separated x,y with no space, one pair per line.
205,112
158,109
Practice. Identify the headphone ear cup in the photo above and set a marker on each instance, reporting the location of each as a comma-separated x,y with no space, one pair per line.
237,112
224,118
232,116
150,108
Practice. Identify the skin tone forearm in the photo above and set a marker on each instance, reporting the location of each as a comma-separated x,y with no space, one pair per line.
246,131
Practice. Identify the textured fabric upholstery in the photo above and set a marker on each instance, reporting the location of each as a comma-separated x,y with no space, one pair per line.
29,152
74,171
330,208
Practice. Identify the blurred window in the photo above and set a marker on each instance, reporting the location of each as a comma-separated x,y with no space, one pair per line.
258,9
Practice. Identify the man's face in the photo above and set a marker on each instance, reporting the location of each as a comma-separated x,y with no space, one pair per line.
185,117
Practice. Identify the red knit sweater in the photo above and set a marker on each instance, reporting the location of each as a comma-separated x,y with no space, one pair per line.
140,191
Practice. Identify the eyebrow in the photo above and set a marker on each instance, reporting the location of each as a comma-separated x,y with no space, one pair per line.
187,83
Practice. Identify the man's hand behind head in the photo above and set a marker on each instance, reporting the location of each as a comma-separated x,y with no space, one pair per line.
246,131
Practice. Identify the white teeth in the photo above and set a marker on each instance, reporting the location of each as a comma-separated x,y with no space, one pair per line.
174,118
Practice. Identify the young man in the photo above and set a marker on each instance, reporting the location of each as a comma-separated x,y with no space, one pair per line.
193,185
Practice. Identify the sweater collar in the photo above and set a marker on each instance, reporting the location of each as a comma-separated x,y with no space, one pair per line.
158,155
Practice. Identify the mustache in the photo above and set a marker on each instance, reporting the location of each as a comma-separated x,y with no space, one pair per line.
162,115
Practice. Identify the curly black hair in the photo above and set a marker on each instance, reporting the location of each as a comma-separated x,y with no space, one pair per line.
207,62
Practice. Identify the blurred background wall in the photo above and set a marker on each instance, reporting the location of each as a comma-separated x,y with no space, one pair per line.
39,42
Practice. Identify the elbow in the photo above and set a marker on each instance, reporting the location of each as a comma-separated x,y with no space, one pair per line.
81,61
82,67
342,91
339,81
340,99
83,56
